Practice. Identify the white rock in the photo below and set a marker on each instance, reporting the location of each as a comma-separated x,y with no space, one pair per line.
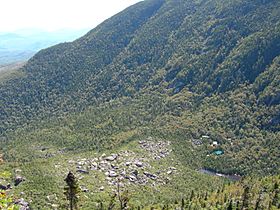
128,163
108,178
139,164
94,164
169,172
111,157
55,206
18,170
132,178
112,174
84,189
81,163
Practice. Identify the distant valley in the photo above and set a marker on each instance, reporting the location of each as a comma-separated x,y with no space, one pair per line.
21,45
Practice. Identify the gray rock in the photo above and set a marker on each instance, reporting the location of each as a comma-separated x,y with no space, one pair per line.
83,171
150,175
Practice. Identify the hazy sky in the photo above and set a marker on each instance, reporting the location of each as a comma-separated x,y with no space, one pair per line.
57,14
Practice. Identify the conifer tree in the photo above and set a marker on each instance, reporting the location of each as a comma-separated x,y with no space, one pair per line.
192,195
275,200
245,198
182,204
122,197
230,206
112,202
71,191
258,200
206,196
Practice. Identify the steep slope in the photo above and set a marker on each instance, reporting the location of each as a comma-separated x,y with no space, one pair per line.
62,73
206,47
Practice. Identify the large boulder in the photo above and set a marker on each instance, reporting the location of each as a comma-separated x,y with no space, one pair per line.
84,189
23,205
111,157
5,187
132,178
112,174
150,175
127,163
139,164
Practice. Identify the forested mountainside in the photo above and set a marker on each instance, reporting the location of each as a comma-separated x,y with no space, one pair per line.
202,75
206,47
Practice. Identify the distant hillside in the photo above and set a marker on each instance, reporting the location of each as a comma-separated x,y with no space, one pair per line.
23,44
8,57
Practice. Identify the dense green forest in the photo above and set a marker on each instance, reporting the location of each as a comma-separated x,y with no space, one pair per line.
197,81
